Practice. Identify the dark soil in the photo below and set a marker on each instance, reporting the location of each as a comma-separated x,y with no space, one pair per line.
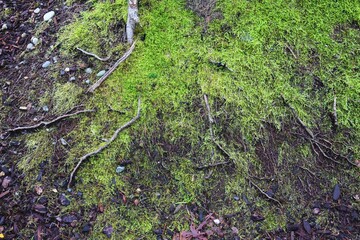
22,208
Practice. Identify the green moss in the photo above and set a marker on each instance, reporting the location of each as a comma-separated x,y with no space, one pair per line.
65,96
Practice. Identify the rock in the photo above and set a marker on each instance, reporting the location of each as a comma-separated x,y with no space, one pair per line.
46,64
120,169
236,198
86,228
30,46
88,70
39,190
316,211
69,218
87,81
257,217
72,79
307,227
40,208
336,193
55,59
35,40
2,220
37,10
62,72
23,35
4,26
45,108
101,73
67,69
6,182
217,221
49,15
108,231
63,200
63,141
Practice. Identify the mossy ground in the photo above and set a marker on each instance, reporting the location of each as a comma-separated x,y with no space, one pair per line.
305,52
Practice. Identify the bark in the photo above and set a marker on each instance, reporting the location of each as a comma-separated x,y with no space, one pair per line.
133,18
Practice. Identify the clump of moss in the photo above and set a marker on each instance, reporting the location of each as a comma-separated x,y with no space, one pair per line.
65,96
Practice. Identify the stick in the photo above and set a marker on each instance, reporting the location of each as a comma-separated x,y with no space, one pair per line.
123,58
132,19
211,120
335,113
43,123
273,199
86,156
93,55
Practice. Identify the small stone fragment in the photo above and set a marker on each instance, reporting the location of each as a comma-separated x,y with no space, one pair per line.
49,15
217,221
236,198
2,174
23,108
6,182
23,35
257,217
45,108
307,227
67,69
4,26
120,169
37,10
63,200
69,218
101,73
35,40
46,64
63,141
40,208
336,193
108,231
316,211
87,81
72,79
88,70
38,190
62,72
30,46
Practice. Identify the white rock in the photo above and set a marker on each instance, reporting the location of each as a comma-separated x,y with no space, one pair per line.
88,70
23,35
49,15
30,46
87,81
4,26
37,10
46,64
67,69
35,40
101,73
216,221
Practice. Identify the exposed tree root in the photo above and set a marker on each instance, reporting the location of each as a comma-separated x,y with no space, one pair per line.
114,136
93,55
44,123
264,193
107,74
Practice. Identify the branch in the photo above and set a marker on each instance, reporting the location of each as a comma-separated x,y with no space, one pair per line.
132,19
43,123
273,199
93,55
86,156
123,58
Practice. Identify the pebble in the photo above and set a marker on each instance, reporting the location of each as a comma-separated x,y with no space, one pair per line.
49,15
67,69
37,10
55,59
6,182
35,40
217,221
63,142
87,81
316,211
63,200
336,193
236,198
69,219
120,169
46,64
101,73
23,35
307,227
72,79
108,231
30,46
40,208
4,26
45,108
62,72
88,70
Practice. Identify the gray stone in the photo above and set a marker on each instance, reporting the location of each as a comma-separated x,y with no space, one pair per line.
35,40
46,64
23,35
37,10
45,108
87,81
336,193
72,79
30,46
4,26
120,169
101,73
88,70
49,15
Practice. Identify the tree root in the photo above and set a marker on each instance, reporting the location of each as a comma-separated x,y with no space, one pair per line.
114,136
93,55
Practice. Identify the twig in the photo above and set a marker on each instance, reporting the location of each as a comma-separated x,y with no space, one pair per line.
306,169
94,55
292,52
86,156
211,165
123,58
211,120
335,113
43,123
271,198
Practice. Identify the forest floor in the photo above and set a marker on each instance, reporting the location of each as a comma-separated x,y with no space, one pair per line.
273,154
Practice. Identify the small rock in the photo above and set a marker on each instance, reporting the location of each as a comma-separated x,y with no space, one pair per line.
40,208
45,108
236,198
42,200
217,221
120,169
49,15
67,69
86,228
2,220
108,231
5,170
35,40
55,59
30,46
87,81
336,193
62,72
63,141
72,79
2,174
257,217
101,73
4,26
6,182
88,70
46,64
138,190
63,200
37,10
69,218
307,227
23,35
316,211
38,190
